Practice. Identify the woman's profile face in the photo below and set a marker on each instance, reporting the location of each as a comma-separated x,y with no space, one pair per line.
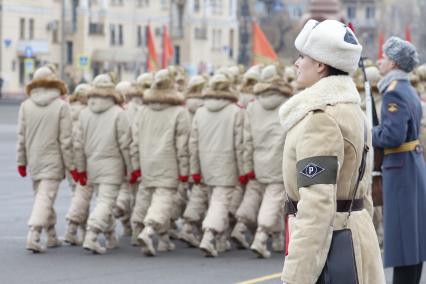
308,71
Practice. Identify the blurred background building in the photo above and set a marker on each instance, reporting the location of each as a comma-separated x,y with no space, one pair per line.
86,37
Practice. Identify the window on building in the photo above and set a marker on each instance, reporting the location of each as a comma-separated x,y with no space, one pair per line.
370,13
96,29
196,6
200,33
231,44
112,34
139,36
164,5
351,12
120,35
22,28
31,29
116,2
74,15
216,6
69,52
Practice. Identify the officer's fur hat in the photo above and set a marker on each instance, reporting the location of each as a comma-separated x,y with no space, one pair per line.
163,90
128,90
402,52
330,42
45,77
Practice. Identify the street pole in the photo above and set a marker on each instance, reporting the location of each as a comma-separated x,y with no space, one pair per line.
63,40
1,48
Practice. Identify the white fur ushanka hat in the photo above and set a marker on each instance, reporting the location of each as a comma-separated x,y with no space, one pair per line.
330,42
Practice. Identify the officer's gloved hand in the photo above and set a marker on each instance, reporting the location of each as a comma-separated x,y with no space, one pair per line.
82,177
74,175
134,176
22,170
196,178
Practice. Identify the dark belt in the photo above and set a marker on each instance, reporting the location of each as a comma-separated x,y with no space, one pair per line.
342,206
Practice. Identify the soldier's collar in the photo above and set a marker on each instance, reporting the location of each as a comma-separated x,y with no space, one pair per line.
393,75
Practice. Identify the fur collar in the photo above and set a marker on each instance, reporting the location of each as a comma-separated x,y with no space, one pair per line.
328,91
163,96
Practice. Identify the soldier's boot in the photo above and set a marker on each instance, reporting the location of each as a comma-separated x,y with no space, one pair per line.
173,232
52,238
118,212
111,240
278,242
259,245
239,235
83,231
33,240
91,242
137,229
147,242
187,235
207,244
222,243
165,244
71,236
127,229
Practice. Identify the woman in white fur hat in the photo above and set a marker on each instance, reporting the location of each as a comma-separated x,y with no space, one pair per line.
102,157
324,127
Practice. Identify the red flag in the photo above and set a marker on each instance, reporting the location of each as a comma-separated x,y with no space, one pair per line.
167,48
262,49
381,42
408,33
152,61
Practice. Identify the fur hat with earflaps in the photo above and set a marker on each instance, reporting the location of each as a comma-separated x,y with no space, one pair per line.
103,86
272,81
163,90
195,87
402,52
220,87
45,77
80,94
330,42
128,90
250,78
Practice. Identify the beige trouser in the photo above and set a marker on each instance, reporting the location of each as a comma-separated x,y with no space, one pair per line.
217,218
159,213
126,199
263,205
198,204
80,204
142,203
101,218
43,213
237,198
181,199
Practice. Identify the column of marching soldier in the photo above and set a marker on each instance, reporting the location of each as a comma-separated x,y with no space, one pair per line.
197,159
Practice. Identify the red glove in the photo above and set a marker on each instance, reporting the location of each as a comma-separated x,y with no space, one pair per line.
22,170
75,175
183,178
134,177
83,178
251,175
243,179
196,178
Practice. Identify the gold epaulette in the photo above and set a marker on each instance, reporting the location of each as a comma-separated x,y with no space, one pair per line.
392,86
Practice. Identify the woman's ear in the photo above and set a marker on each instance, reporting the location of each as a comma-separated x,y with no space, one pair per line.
321,69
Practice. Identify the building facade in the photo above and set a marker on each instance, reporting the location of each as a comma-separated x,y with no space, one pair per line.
86,37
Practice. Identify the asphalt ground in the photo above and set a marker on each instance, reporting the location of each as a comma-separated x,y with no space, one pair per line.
126,264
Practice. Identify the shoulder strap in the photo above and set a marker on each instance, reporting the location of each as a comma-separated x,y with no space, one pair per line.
362,166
